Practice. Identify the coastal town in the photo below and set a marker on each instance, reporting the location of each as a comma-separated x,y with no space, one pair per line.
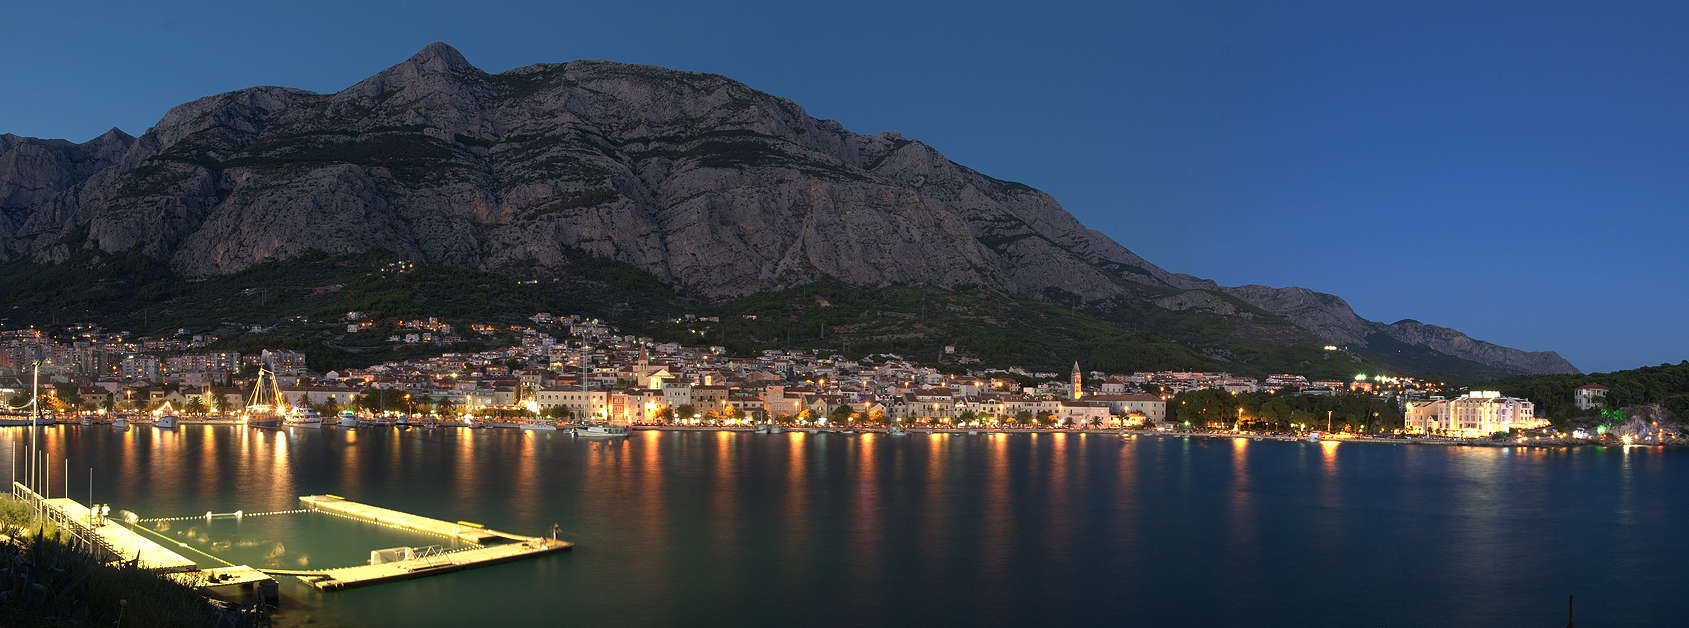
579,370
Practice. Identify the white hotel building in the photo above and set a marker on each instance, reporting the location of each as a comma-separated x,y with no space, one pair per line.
1478,413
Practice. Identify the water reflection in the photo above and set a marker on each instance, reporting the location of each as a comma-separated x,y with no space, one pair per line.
794,529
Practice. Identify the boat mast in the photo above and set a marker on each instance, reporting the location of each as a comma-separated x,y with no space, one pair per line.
34,417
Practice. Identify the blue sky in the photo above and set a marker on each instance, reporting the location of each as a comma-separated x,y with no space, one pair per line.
1517,171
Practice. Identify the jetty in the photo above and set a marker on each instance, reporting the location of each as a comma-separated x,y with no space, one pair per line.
487,547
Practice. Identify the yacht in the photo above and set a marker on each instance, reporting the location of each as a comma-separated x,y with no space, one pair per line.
303,416
604,431
347,419
539,427
165,421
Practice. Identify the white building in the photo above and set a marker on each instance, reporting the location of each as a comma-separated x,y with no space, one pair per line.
1585,396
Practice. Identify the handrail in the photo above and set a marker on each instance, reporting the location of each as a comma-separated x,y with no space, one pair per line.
82,531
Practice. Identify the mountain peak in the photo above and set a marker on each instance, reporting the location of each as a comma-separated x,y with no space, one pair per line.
439,57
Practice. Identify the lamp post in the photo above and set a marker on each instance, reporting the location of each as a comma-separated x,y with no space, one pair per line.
1328,421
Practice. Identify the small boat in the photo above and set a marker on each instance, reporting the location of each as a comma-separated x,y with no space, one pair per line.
604,431
774,428
897,430
973,432
87,420
120,422
165,421
539,427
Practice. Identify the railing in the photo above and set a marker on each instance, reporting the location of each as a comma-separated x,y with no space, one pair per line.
81,532
428,557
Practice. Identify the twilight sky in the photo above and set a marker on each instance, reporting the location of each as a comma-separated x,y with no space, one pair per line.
1517,171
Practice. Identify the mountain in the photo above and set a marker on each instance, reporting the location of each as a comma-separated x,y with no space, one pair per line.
713,188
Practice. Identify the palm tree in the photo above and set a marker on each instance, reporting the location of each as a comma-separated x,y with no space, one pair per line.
195,406
219,402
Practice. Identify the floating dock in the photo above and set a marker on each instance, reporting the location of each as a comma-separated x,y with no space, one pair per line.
462,531
490,547
125,543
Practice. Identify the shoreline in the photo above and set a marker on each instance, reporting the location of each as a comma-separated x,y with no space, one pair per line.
1436,441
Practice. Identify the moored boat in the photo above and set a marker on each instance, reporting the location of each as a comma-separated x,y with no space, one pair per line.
347,419
539,427
303,416
165,421
604,431
24,422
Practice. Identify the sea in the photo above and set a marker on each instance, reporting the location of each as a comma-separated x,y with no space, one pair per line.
799,529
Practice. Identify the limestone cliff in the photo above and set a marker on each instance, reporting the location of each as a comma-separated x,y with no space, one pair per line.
705,183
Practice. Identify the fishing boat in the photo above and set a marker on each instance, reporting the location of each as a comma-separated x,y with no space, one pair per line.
165,421
87,420
120,422
604,430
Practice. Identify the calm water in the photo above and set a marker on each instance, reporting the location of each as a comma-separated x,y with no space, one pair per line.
718,529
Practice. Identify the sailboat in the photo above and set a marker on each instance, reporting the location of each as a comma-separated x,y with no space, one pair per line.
266,406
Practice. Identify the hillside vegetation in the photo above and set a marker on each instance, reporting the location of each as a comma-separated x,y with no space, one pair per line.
299,304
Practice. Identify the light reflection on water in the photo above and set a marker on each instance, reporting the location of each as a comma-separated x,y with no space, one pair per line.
994,529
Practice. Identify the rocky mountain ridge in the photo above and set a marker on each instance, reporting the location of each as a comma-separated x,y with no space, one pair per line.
703,182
